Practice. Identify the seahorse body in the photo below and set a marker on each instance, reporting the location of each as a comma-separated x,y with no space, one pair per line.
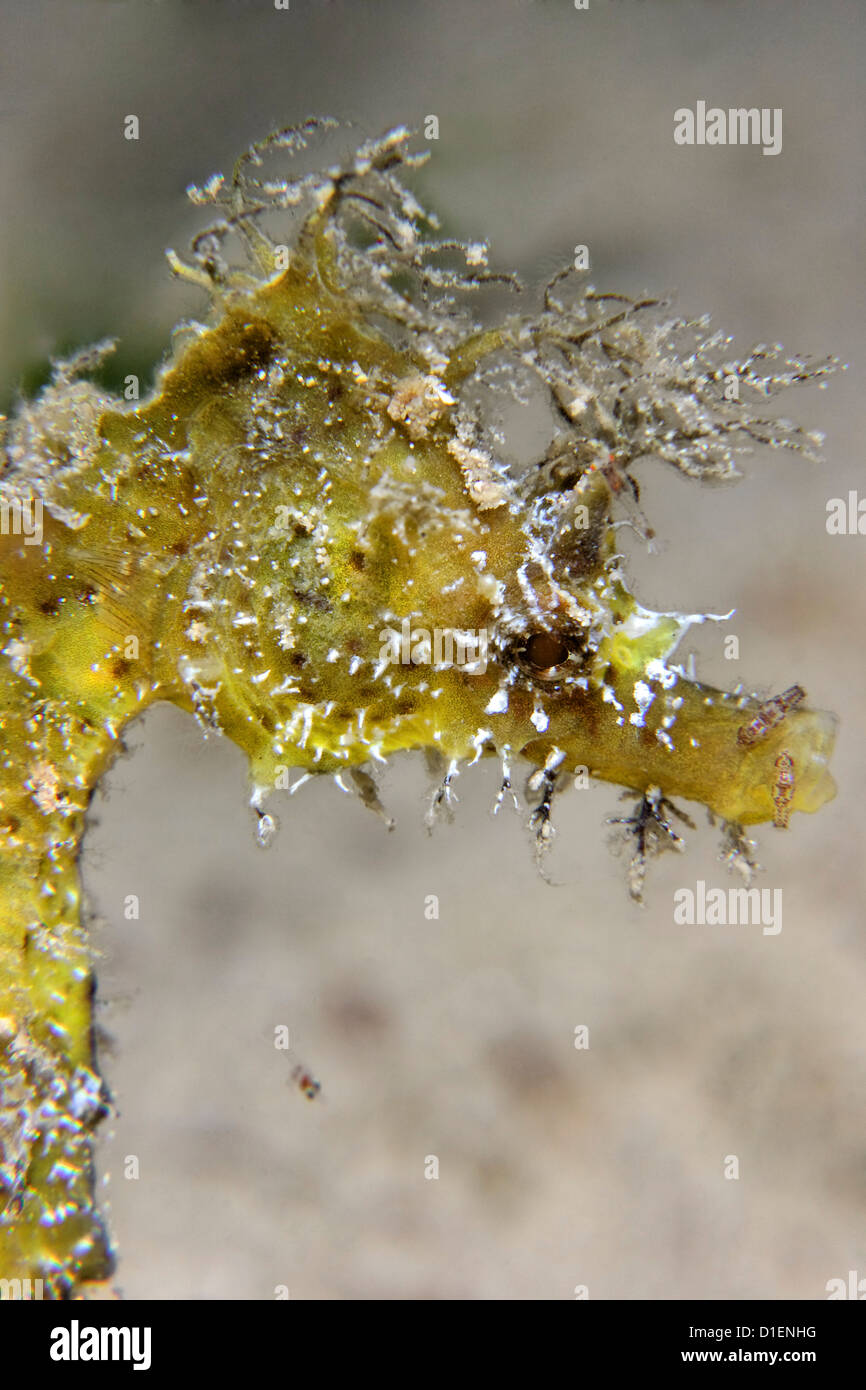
300,484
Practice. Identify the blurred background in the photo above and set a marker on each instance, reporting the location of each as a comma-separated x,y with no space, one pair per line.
454,1038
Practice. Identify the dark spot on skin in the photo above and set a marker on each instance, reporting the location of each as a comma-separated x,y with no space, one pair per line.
357,560
214,364
179,548
314,600
145,473
297,659
50,607
120,668
87,594
407,704
244,349
12,825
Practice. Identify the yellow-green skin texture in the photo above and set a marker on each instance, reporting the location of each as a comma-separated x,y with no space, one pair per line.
236,545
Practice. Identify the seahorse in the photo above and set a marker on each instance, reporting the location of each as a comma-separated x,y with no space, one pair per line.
317,469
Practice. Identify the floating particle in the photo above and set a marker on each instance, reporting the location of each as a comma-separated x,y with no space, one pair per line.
306,1082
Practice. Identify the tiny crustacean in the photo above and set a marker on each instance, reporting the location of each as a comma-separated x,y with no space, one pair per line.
305,1082
770,715
323,460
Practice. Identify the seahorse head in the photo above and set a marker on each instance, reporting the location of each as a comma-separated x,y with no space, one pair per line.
319,537
369,571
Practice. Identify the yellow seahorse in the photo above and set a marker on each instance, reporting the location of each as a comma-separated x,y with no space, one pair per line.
308,537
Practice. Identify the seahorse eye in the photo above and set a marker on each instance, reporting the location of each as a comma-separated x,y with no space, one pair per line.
543,651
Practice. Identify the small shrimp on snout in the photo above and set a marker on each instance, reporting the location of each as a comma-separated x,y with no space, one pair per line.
783,791
624,487
615,477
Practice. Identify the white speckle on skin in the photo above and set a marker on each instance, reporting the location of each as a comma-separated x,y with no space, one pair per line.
498,704
643,698
478,742
657,671
19,656
285,687
44,784
539,719
306,712
197,631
